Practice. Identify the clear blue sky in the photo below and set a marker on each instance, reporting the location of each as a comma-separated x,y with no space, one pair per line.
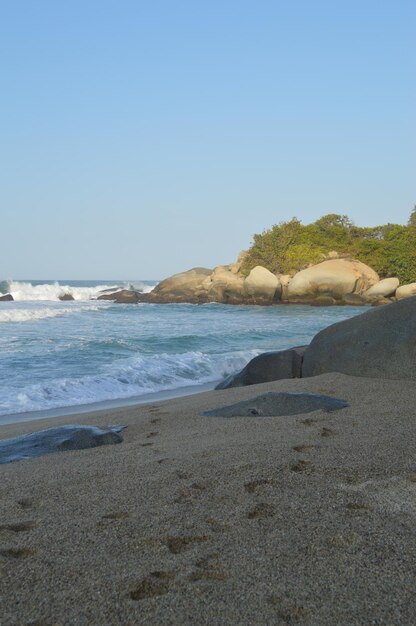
141,138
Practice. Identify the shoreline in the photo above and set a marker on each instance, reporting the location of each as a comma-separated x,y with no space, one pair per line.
105,405
307,518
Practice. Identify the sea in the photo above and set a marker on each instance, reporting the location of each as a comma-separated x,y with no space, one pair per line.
62,357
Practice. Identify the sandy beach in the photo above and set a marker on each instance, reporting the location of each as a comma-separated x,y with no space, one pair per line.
301,519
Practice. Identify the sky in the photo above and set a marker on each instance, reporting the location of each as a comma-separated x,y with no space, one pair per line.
142,138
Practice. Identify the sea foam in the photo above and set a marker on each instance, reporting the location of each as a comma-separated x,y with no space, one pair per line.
13,315
27,291
126,378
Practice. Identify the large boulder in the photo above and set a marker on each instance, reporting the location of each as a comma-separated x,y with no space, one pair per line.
334,278
380,343
124,296
406,291
266,367
261,286
225,286
183,287
6,298
382,289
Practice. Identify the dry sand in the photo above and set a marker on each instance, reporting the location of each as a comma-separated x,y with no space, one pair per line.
307,519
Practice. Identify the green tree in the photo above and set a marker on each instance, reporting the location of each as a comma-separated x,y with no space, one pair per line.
412,218
290,246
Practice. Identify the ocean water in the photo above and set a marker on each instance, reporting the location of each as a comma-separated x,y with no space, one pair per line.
57,354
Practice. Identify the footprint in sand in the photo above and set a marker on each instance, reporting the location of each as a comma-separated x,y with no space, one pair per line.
144,445
182,475
17,553
262,509
209,568
303,447
177,545
25,503
253,485
217,526
302,466
188,493
153,434
287,612
359,507
309,421
19,527
157,583
327,432
116,515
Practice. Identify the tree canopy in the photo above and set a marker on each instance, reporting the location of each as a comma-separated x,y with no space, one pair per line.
288,247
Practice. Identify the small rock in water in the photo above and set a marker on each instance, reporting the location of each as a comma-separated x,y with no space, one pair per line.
58,439
274,404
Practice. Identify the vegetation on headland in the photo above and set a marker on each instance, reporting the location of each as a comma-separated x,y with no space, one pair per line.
290,246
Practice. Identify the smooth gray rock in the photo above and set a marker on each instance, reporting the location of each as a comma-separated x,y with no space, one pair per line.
57,439
380,343
275,404
6,298
266,367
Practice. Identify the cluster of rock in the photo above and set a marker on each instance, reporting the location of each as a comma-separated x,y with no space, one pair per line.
380,343
334,281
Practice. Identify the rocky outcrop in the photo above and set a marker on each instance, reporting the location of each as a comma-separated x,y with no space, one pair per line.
380,343
382,289
406,291
7,298
266,367
261,286
337,280
225,286
124,296
334,278
190,286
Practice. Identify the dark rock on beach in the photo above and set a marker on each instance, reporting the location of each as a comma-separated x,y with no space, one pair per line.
267,367
380,343
274,404
57,439
6,298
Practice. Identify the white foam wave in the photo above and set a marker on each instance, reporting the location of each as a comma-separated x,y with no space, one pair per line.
26,291
131,377
29,315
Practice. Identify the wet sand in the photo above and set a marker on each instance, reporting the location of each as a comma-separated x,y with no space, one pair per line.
301,519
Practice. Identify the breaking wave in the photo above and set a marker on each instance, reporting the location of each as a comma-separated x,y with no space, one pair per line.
132,377
54,291
13,315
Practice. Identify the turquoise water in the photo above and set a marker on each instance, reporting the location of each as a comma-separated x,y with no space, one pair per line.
65,354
